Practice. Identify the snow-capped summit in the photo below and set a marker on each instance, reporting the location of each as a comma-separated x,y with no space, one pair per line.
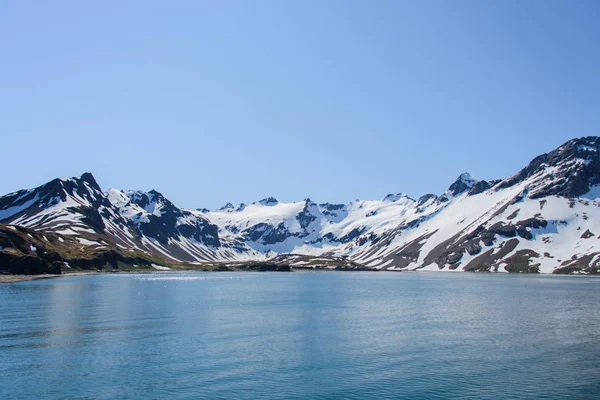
394,197
269,201
426,199
67,205
157,218
463,183
152,202
227,207
570,171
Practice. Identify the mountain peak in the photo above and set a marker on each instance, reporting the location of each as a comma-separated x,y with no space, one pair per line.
394,197
74,181
269,201
89,178
426,198
227,207
152,201
568,171
117,197
156,194
465,177
463,183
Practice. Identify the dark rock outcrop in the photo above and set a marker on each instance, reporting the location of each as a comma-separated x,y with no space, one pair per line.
462,184
578,163
165,221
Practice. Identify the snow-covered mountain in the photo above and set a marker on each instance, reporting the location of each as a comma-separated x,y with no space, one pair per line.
131,220
544,218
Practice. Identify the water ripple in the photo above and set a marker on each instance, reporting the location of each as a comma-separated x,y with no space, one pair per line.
296,336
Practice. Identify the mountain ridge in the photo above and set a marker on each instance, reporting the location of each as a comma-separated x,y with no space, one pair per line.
544,218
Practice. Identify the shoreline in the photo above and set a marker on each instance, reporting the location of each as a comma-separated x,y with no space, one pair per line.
23,278
10,278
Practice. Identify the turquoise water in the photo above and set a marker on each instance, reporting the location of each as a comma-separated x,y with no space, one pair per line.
324,335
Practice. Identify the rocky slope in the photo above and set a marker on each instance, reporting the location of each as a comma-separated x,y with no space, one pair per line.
545,218
29,251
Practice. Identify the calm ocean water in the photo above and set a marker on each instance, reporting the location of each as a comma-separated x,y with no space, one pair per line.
327,335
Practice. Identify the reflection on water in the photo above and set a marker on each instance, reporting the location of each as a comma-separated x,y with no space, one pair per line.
301,335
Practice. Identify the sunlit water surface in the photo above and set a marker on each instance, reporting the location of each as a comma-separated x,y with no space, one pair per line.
325,335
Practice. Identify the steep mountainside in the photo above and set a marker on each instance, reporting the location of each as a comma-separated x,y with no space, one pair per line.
28,251
133,221
545,218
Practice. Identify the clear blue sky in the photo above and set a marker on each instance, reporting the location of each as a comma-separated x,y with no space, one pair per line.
219,101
